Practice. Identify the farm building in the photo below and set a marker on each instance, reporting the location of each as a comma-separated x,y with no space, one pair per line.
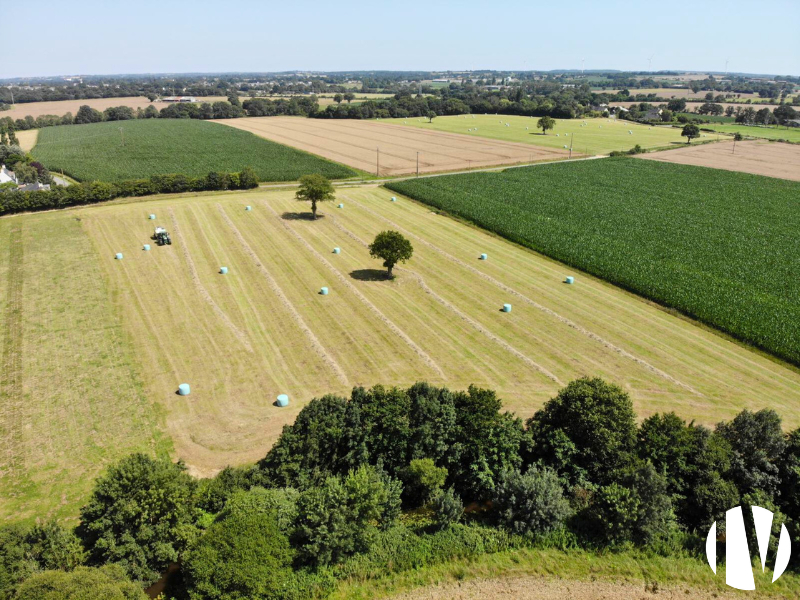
179,99
7,176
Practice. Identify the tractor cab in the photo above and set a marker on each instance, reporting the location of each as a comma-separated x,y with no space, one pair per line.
161,236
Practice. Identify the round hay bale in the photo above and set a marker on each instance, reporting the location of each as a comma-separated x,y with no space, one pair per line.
184,389
394,199
506,308
152,217
323,291
340,206
146,247
118,256
223,270
248,208
484,257
282,400
337,250
569,280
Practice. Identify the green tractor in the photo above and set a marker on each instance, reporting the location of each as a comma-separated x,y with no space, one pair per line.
161,236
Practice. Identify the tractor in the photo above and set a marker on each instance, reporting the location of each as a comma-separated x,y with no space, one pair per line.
162,237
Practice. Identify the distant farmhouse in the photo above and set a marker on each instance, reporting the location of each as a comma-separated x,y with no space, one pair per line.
7,176
179,99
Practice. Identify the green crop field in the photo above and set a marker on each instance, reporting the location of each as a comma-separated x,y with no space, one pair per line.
719,246
94,348
587,136
770,133
118,150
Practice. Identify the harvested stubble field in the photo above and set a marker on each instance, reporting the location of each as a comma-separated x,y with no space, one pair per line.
62,107
119,150
355,143
586,136
757,157
105,343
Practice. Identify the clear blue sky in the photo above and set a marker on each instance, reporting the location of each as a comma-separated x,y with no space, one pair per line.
145,36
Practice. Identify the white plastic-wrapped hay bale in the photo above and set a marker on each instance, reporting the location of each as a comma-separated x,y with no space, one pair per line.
146,247
337,250
340,206
248,207
118,256
484,257
569,280
223,270
394,199
152,217
565,146
282,400
184,389
506,308
323,291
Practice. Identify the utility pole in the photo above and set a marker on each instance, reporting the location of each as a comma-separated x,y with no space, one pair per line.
572,141
122,133
417,163
378,167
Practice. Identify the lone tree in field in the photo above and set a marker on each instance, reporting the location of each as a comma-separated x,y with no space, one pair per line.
546,123
392,247
431,116
690,132
314,188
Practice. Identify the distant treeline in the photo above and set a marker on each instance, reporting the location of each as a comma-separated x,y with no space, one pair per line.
12,201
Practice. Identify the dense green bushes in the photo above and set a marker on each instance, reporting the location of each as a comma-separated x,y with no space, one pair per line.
98,191
325,504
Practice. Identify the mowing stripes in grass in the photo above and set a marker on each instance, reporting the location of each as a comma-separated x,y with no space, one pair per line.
716,245
118,150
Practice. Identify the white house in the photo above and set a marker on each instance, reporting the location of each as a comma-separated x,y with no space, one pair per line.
6,175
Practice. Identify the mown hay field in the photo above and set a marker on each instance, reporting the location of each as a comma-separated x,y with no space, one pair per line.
119,150
585,136
62,107
683,236
388,149
94,348
756,156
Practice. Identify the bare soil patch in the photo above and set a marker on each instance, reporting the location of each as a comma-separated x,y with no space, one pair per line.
772,159
538,588
358,144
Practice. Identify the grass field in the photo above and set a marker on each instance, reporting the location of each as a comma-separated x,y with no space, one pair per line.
587,136
680,235
106,342
770,133
118,150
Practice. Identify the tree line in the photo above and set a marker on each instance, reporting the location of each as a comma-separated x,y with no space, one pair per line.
379,481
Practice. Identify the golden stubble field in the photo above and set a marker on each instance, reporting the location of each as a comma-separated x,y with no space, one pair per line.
368,145
772,159
94,348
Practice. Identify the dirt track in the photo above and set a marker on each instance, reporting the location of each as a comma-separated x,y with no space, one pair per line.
772,159
538,588
355,143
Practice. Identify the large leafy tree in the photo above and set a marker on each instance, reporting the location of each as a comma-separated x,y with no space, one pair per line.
532,502
314,188
690,131
546,123
392,248
341,517
139,515
587,432
758,445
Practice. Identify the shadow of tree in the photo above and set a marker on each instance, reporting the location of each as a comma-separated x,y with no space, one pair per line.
370,275
301,216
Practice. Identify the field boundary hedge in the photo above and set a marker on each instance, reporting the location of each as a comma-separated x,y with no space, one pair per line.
97,191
